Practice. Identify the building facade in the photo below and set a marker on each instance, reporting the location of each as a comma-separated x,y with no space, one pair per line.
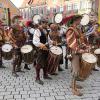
7,10
49,8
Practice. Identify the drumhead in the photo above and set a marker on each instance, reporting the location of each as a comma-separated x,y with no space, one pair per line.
97,51
85,19
88,57
26,48
7,48
58,18
56,50
36,19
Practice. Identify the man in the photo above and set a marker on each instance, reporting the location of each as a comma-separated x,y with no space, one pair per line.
40,40
30,31
54,39
1,43
97,36
93,37
62,31
17,38
76,43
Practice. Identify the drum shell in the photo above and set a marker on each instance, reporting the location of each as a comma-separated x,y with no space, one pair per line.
98,59
53,62
57,57
7,55
85,69
28,57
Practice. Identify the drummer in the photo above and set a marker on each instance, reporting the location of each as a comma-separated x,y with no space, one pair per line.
18,39
40,40
96,34
30,30
77,46
93,36
1,42
62,30
54,39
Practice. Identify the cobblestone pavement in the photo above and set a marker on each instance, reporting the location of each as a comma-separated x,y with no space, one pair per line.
25,88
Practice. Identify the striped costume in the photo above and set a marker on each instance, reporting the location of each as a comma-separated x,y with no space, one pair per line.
76,42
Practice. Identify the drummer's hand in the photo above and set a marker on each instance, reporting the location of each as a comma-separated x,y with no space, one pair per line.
82,51
15,46
42,46
54,43
87,50
45,48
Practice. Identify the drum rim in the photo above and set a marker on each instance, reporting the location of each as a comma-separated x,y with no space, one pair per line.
89,62
57,47
8,48
26,45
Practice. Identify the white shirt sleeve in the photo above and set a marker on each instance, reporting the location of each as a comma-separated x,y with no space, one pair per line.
31,31
90,31
50,41
36,38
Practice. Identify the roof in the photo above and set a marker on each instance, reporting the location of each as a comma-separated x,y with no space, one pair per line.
8,4
34,3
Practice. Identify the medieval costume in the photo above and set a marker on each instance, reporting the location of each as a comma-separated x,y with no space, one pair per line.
18,38
40,40
76,43
1,43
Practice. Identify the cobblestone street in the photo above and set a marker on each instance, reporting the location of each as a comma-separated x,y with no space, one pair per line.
25,88
47,49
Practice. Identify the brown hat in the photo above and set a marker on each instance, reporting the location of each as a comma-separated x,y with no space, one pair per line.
53,27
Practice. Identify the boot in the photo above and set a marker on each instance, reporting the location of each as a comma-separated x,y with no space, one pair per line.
47,77
26,67
1,66
60,69
39,81
15,74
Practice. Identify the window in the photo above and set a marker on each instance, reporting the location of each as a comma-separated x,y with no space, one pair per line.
44,10
89,4
32,10
75,6
61,9
57,9
36,10
69,7
1,5
40,10
54,10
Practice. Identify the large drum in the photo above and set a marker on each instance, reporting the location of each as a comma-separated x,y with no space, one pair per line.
7,51
54,59
97,53
87,63
27,54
